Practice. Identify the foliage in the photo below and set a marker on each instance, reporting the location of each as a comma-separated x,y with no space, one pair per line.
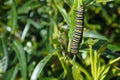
35,39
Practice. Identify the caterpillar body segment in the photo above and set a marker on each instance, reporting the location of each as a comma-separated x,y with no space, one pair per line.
77,38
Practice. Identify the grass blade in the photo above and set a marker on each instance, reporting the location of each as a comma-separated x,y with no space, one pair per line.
13,17
76,71
48,78
12,76
82,69
36,25
18,48
38,69
5,51
27,26
103,1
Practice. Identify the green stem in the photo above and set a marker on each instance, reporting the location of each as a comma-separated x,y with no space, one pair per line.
69,45
91,59
95,65
115,60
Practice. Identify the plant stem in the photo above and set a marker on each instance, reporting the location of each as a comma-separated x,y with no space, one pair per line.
91,59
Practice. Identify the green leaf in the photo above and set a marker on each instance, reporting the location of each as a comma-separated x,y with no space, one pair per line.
24,33
26,7
36,25
86,2
72,15
48,78
69,2
38,69
112,73
113,47
94,34
65,66
104,1
114,60
18,48
14,71
105,72
76,72
80,68
91,41
13,17
65,15
4,60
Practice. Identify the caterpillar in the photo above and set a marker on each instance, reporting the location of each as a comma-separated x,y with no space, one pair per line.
77,38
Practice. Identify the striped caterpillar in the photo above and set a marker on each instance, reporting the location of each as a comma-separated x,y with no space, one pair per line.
77,38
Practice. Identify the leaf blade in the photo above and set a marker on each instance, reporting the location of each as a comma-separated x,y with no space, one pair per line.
18,48
38,69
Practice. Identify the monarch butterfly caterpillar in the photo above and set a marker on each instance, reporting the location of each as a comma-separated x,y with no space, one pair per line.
77,38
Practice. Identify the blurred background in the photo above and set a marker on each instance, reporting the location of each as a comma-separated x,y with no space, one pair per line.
32,29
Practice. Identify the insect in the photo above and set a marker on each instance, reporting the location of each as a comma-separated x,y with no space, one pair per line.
77,38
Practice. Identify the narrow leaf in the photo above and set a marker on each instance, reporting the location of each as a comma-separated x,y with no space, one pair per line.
29,5
114,60
13,17
5,51
76,72
18,48
14,71
103,1
27,26
48,78
65,15
113,47
36,25
94,34
38,69
82,69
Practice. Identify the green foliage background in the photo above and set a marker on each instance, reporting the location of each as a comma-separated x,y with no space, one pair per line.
35,38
